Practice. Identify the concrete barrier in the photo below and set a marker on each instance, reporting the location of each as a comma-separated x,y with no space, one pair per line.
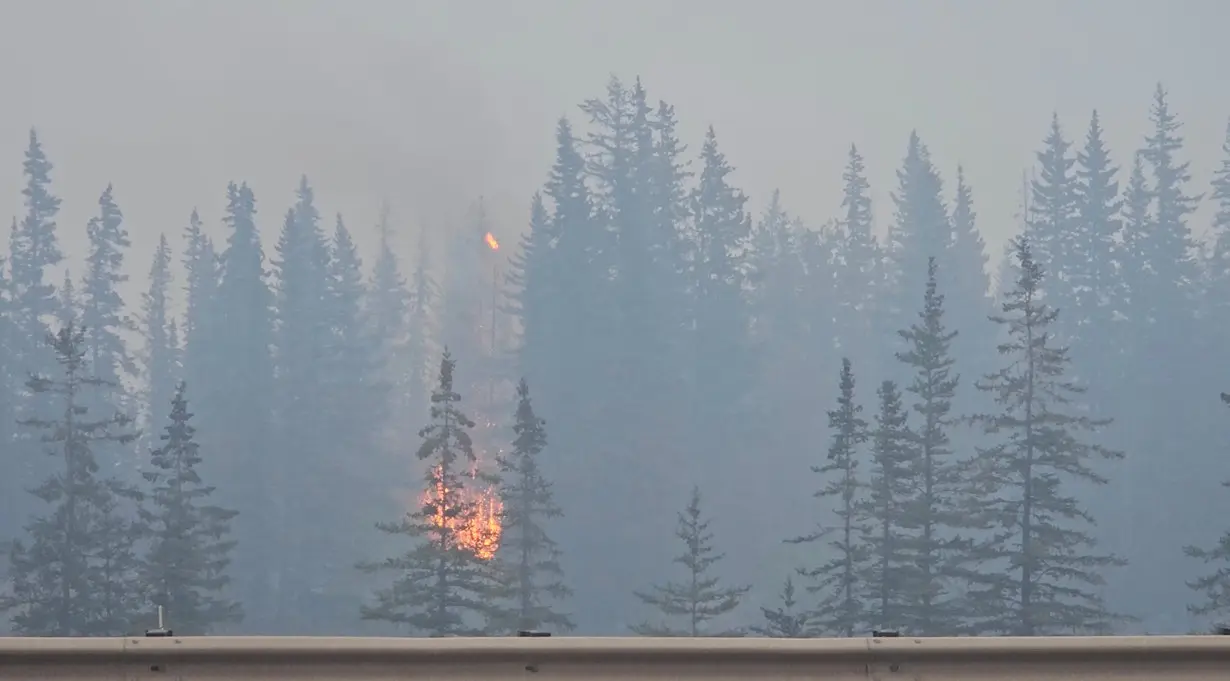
1156,658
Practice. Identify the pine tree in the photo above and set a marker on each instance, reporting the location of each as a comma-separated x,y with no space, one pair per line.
533,576
699,598
858,267
1169,246
1054,215
785,621
388,305
1040,565
77,573
234,406
1097,284
965,279
442,585
934,512
842,607
103,316
893,576
33,250
161,356
723,360
189,552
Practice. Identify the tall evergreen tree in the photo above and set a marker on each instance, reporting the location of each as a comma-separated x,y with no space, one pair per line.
934,511
104,316
1096,283
189,553
922,229
838,581
785,621
1054,214
1169,248
723,361
34,251
34,248
77,573
235,412
892,577
161,356
304,349
1041,568
442,586
967,281
533,577
699,598
858,267
387,314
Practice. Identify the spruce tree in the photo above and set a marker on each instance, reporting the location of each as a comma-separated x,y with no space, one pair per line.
34,252
104,316
532,576
892,578
235,404
33,249
934,511
442,587
161,355
1040,569
1096,281
189,552
76,572
722,356
838,581
688,606
1054,214
858,267
786,620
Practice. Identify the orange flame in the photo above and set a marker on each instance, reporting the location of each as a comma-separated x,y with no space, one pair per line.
477,530
491,242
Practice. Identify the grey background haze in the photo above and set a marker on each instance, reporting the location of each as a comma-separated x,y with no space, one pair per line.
431,104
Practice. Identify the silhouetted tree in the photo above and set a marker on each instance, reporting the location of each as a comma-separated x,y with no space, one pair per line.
189,554
1040,569
532,576
699,598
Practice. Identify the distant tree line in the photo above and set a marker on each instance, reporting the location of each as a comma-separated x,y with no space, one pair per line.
988,454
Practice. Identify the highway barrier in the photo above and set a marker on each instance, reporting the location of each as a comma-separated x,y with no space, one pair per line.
171,658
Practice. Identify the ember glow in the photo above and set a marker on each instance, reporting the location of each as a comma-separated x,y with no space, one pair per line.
478,530
490,239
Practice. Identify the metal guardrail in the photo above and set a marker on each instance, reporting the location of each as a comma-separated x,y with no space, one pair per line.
1155,658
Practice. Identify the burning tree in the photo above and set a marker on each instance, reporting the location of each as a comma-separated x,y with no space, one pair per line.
444,581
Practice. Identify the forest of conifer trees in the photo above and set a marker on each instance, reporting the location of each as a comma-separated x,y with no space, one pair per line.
655,414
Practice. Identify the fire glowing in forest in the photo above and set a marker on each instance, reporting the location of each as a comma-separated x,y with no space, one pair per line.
491,242
478,529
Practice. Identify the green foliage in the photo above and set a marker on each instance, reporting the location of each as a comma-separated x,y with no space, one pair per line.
1039,571
186,564
689,605
77,573
531,574
786,620
441,587
838,581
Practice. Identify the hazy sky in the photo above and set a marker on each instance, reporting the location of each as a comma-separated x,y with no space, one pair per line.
434,103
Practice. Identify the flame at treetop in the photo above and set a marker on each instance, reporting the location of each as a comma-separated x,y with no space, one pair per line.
491,242
479,530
